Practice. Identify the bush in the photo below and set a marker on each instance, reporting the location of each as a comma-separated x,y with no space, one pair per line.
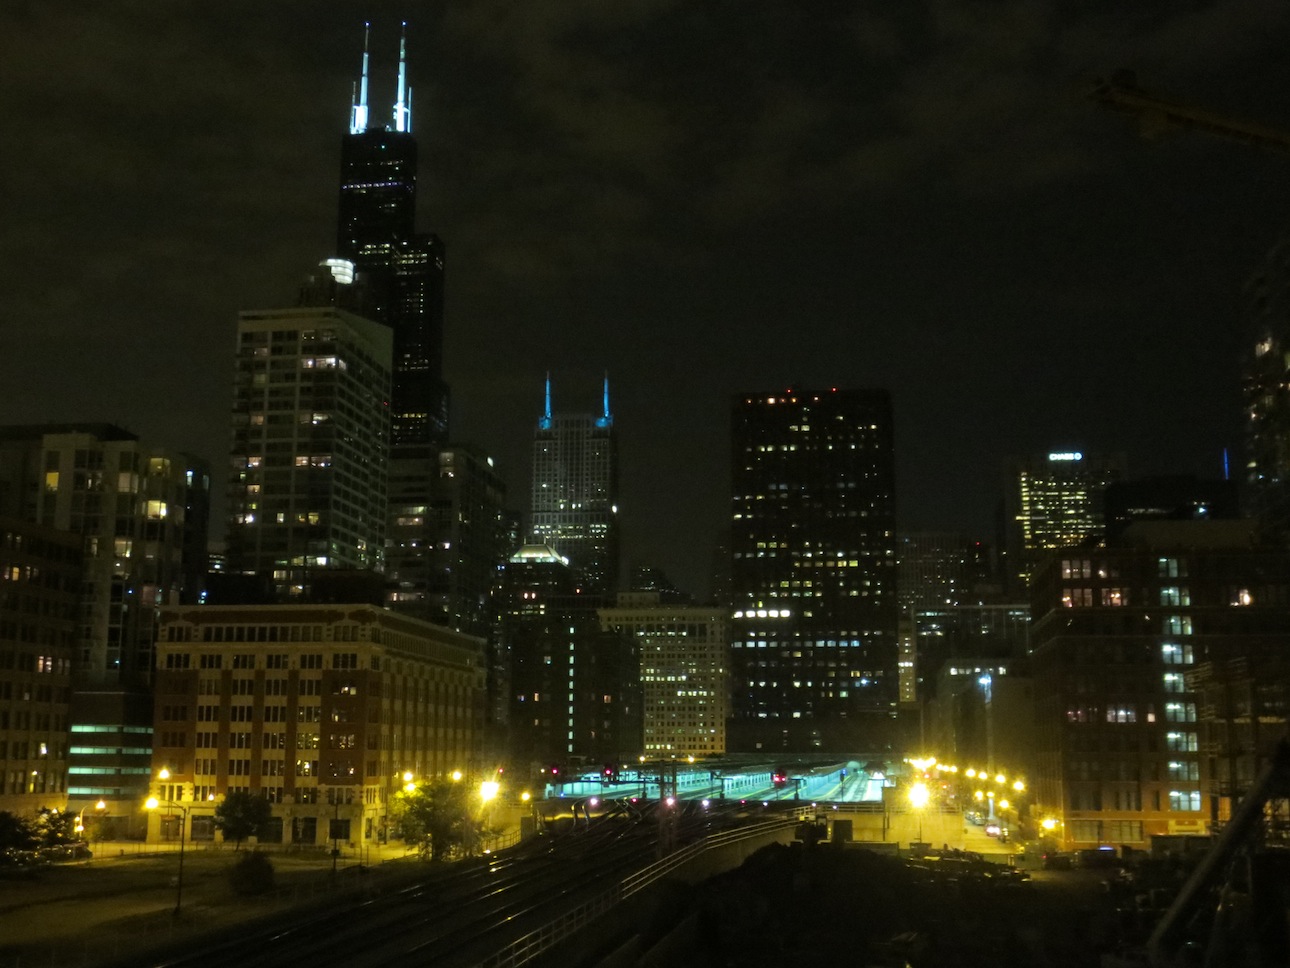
252,874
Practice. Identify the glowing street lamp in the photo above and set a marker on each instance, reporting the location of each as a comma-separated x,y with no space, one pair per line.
152,803
80,817
918,797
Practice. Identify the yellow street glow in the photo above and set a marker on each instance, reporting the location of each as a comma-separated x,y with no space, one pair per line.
918,795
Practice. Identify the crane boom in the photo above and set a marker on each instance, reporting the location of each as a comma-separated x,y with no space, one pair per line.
1157,115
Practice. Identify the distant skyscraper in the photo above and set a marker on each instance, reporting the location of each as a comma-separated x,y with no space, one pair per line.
684,676
402,268
813,571
444,555
309,446
1266,395
939,569
1052,501
575,492
574,688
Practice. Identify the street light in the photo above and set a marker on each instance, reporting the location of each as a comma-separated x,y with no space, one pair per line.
152,803
80,817
918,797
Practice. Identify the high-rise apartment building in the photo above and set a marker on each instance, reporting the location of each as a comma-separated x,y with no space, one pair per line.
308,457
684,672
575,492
402,269
141,513
40,588
1052,501
1266,395
813,571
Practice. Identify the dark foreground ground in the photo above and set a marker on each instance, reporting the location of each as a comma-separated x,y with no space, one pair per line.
827,906
787,905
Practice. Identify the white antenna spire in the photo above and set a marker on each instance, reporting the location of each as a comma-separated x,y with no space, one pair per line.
402,107
358,113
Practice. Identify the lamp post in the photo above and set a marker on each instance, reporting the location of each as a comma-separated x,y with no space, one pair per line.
488,791
152,803
80,817
918,797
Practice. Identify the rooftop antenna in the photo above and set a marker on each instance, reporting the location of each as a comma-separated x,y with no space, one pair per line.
403,106
606,419
358,110
545,422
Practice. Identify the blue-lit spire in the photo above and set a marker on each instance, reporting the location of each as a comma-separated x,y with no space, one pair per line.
606,419
358,109
403,106
544,422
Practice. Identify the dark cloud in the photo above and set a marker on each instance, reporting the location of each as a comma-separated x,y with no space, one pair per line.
699,198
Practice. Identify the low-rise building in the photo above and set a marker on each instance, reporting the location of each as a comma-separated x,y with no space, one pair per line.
321,709
1125,642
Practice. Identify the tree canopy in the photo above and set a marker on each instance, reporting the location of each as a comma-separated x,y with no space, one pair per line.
16,832
241,815
442,818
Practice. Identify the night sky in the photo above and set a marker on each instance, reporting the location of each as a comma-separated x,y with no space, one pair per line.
700,198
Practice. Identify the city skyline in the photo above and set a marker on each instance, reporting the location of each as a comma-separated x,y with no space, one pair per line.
922,201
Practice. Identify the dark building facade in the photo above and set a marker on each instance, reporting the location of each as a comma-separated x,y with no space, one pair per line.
40,591
446,554
1125,643
574,506
574,687
141,512
812,571
402,269
1179,497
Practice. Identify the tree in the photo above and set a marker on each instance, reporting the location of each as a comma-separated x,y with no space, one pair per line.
54,828
441,817
16,832
241,815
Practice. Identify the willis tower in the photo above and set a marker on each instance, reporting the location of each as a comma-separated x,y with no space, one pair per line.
402,269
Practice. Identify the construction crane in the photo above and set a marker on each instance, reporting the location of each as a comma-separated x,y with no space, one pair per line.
1158,116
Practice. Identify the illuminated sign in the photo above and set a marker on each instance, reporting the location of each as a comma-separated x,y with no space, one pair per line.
1067,455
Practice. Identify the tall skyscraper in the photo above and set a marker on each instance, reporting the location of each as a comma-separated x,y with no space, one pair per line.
308,458
575,492
403,269
1052,501
813,571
